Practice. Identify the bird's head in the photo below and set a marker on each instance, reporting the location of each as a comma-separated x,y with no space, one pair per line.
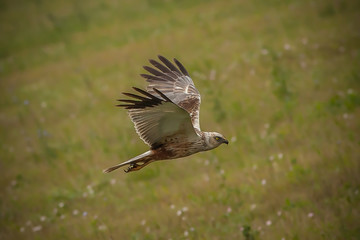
214,139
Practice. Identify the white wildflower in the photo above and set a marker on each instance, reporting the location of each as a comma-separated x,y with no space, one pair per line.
102,227
303,64
43,104
263,182
304,41
37,228
264,51
287,46
112,181
206,178
212,74
90,189
13,183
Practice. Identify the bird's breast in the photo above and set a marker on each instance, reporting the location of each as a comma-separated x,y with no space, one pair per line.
173,148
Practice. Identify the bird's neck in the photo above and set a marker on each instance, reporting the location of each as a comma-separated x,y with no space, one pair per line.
207,141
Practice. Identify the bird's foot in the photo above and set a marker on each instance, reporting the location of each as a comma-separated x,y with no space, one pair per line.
129,169
133,167
137,166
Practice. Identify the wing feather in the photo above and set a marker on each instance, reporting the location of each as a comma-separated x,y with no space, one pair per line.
182,68
156,118
159,66
152,70
169,64
176,84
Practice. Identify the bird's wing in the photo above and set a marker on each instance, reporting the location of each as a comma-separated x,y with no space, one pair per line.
176,83
156,118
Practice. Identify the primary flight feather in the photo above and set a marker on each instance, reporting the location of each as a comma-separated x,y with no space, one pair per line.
166,116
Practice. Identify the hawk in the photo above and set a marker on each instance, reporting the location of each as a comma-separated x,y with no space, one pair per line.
166,116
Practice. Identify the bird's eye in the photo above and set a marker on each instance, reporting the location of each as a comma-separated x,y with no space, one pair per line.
217,138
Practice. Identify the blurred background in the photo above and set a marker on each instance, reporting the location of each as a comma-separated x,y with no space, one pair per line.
279,78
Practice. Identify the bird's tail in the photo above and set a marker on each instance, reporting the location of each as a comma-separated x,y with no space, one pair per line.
136,163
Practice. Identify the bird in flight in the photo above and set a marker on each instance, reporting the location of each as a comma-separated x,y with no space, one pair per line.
166,116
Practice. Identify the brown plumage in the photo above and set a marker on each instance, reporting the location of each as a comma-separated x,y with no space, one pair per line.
166,116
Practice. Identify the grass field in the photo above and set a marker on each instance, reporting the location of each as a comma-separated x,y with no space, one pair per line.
280,79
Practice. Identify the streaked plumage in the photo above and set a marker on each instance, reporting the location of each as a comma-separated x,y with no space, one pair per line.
166,116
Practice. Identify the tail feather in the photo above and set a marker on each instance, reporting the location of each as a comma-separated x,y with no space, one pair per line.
133,160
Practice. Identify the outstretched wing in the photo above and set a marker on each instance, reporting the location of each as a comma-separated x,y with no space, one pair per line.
176,83
156,118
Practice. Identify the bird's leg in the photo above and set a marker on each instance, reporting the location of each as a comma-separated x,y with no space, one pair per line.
137,166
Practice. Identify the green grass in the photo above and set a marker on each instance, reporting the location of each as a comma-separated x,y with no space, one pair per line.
281,79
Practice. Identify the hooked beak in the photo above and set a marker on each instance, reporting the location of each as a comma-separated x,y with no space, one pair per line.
226,141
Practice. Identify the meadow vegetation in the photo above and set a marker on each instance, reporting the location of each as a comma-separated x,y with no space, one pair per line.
279,78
